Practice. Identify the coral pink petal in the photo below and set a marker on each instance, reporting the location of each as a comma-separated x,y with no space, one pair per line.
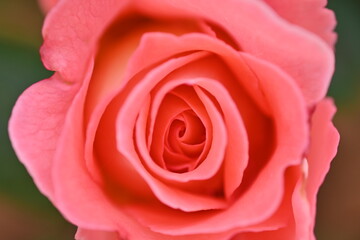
296,202
236,158
192,99
188,97
71,31
301,54
108,159
309,14
70,175
284,213
35,125
163,121
324,140
88,234
301,210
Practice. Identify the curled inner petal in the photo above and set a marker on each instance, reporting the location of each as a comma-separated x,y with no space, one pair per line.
185,138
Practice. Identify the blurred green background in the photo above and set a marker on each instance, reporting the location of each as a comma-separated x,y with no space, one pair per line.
26,215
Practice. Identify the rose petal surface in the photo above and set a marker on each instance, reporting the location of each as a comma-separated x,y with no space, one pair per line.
311,15
284,45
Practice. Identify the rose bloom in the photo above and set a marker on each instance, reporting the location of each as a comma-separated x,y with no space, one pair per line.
186,119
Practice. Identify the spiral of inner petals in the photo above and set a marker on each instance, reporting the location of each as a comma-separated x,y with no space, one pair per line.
180,133
185,136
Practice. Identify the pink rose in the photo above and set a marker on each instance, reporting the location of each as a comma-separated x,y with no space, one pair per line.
169,119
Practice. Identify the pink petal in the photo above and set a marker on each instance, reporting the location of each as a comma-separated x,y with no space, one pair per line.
324,140
236,158
75,189
262,33
70,33
111,163
87,234
309,14
165,117
285,211
302,215
35,125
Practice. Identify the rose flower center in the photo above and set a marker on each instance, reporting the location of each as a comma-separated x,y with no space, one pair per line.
184,142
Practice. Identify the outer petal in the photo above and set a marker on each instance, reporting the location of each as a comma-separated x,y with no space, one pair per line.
309,14
70,33
287,232
87,234
301,210
323,147
262,33
324,141
70,175
35,125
